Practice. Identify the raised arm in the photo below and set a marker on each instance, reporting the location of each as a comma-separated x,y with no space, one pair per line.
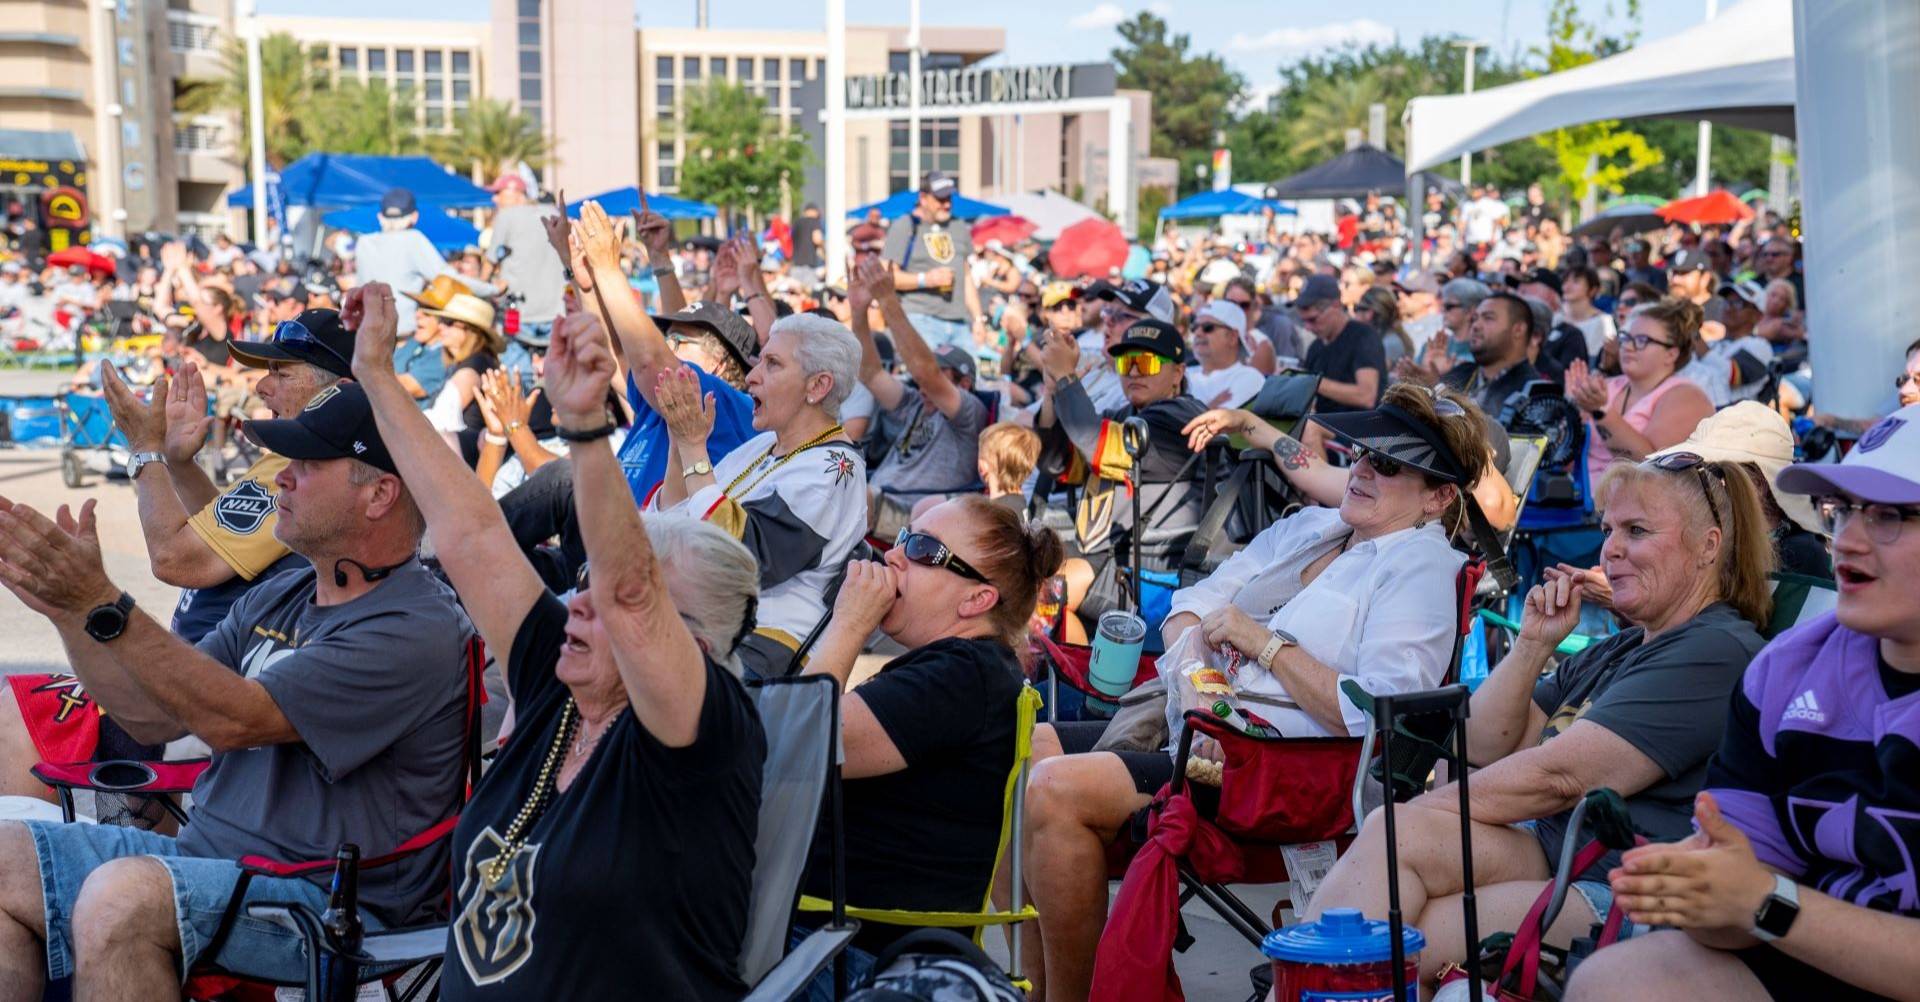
919,359
1505,715
177,554
1305,469
861,280
753,285
660,664
495,583
645,348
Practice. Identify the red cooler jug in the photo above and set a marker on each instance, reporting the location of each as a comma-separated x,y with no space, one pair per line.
1343,957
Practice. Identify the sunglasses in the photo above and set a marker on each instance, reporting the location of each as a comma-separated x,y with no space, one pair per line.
1381,463
1453,306
1900,382
1118,315
1680,462
1213,328
1884,521
295,333
1138,363
1628,304
927,551
1639,342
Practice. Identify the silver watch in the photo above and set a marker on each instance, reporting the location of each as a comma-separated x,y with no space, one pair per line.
139,460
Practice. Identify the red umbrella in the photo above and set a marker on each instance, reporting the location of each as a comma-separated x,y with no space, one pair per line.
83,258
1717,207
1009,230
1088,247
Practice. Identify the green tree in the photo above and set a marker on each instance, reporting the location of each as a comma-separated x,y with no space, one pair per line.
491,137
1193,94
289,82
1596,158
736,156
363,118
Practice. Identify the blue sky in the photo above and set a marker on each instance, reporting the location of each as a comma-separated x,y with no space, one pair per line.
1255,36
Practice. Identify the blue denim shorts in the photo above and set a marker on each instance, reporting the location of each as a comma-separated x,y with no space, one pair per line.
939,332
1599,896
255,948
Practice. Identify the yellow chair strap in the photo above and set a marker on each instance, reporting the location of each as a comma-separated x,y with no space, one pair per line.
941,920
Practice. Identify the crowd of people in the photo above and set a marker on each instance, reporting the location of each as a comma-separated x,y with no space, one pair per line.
645,469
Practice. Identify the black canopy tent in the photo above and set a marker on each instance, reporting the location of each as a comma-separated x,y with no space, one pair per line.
1354,174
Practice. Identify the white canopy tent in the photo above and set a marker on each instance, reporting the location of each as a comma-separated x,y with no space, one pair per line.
1736,69
1047,209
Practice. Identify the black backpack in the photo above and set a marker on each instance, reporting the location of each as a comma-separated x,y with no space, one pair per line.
935,965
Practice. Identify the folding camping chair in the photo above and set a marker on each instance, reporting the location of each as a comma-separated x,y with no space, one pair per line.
1069,664
801,777
167,780
1013,810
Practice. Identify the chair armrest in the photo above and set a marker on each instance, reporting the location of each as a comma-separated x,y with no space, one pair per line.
165,777
275,868
803,963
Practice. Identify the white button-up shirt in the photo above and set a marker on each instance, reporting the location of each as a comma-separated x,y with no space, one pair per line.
1383,612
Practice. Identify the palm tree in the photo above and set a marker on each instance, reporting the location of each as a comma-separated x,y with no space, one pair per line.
492,137
363,118
290,80
1331,107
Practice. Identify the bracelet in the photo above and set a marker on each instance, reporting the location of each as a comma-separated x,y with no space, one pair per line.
493,439
590,435
513,426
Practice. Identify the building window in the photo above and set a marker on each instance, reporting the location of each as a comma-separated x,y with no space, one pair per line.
690,68
939,150
435,89
462,91
377,62
663,67
663,96
350,60
431,60
436,117
191,36
669,178
403,62
717,67
529,90
819,69
531,69
770,70
529,62
462,63
1069,134
796,70
530,8
743,69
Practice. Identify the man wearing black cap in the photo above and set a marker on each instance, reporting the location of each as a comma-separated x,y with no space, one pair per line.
1347,354
932,428
931,250
402,256
332,697
1561,342
1090,446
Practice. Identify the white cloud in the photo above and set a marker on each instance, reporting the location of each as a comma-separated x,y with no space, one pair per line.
1298,41
1160,8
1105,15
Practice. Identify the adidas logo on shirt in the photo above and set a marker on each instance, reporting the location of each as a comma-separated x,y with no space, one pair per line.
1805,707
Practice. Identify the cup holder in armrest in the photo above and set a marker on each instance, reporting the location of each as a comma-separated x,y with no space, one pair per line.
121,775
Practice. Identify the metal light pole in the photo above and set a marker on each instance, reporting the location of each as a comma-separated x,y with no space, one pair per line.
836,138
1701,162
913,92
1466,159
256,121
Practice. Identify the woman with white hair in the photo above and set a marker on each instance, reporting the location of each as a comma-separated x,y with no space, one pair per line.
627,706
796,494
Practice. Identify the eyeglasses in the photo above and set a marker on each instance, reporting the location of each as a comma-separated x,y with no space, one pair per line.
1680,462
1381,463
1452,306
927,551
1884,521
1213,328
1138,363
1639,342
293,332
1118,315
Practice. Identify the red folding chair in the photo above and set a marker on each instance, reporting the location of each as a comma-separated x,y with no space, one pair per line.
166,780
1068,663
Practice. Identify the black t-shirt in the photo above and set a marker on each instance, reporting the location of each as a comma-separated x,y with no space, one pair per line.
1564,344
925,838
215,350
481,363
1358,347
805,254
1899,683
1490,395
638,874
1803,552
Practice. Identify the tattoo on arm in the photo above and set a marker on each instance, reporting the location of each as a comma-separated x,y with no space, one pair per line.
1605,435
1291,454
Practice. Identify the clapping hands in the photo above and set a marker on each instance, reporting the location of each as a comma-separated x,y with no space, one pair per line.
688,415
1585,388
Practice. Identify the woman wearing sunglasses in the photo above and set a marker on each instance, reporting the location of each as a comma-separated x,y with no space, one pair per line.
1799,883
470,348
929,740
1364,590
1649,406
1687,556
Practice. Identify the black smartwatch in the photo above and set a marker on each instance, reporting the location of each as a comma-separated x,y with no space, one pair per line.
107,622
1775,916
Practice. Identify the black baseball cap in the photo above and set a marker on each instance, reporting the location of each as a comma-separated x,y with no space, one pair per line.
1536,276
336,424
733,330
1156,336
397,202
957,359
1316,290
315,336
1136,294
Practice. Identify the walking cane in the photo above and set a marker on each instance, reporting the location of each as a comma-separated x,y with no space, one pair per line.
1133,438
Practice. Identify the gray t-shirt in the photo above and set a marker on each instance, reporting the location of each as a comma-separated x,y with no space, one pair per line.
1667,698
929,454
533,269
918,247
376,689
405,260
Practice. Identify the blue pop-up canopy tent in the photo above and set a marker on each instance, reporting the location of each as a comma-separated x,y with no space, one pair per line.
621,201
1209,204
345,180
902,202
448,233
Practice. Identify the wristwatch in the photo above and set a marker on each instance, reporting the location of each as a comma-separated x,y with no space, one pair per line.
139,460
107,622
1775,916
1280,638
699,469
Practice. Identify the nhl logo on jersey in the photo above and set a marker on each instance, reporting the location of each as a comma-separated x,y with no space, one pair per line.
243,509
